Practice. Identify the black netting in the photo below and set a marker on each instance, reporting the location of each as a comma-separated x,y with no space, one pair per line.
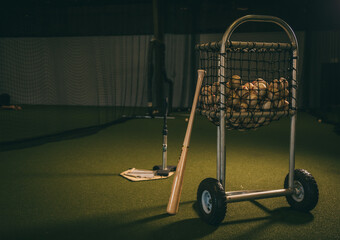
68,84
258,84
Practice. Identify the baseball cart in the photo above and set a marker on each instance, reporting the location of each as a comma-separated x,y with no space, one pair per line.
248,85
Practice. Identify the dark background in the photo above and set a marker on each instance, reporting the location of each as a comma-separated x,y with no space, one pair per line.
37,18
317,20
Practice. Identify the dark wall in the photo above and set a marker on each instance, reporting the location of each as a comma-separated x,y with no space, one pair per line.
75,18
20,18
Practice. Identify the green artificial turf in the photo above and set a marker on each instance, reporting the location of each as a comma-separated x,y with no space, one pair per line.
71,189
36,121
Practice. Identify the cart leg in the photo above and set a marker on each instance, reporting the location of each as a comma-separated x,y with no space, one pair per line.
222,161
223,153
292,151
218,155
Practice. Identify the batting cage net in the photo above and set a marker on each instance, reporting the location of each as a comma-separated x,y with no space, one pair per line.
257,79
54,86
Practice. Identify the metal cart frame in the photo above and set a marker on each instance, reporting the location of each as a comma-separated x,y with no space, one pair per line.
221,151
301,190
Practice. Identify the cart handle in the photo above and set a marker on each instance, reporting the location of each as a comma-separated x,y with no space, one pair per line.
258,18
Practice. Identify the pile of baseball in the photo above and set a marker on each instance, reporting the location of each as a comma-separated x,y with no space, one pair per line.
256,96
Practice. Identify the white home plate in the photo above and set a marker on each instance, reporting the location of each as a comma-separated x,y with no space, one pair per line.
136,175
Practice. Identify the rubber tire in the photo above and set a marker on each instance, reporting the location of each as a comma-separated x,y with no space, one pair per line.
219,201
311,191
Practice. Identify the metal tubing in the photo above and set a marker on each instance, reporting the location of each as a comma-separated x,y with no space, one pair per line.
165,136
241,44
257,195
294,78
292,124
292,152
165,158
223,155
226,42
222,160
236,115
218,156
259,18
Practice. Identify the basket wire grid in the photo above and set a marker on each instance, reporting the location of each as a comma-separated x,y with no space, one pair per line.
257,79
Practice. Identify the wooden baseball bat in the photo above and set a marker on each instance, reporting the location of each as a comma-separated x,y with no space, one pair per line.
178,179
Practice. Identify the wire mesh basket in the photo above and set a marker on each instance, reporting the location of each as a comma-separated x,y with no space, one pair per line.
257,83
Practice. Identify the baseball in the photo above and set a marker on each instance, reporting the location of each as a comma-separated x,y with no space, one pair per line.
216,98
206,90
280,103
235,81
249,86
260,120
210,119
215,88
286,93
227,88
284,82
233,100
276,85
202,90
246,120
285,105
242,91
210,99
252,98
273,94
243,106
267,105
262,89
212,114
260,80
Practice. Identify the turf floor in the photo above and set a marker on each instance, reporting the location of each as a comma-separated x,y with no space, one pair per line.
71,189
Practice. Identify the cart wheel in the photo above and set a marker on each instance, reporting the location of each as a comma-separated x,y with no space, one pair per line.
212,201
306,193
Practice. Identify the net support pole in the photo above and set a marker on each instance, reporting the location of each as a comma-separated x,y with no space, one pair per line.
159,54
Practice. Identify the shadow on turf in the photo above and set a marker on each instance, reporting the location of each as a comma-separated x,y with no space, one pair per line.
116,226
61,175
66,135
283,215
129,225
101,227
193,228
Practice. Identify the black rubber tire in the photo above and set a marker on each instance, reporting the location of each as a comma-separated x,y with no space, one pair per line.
311,191
218,201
